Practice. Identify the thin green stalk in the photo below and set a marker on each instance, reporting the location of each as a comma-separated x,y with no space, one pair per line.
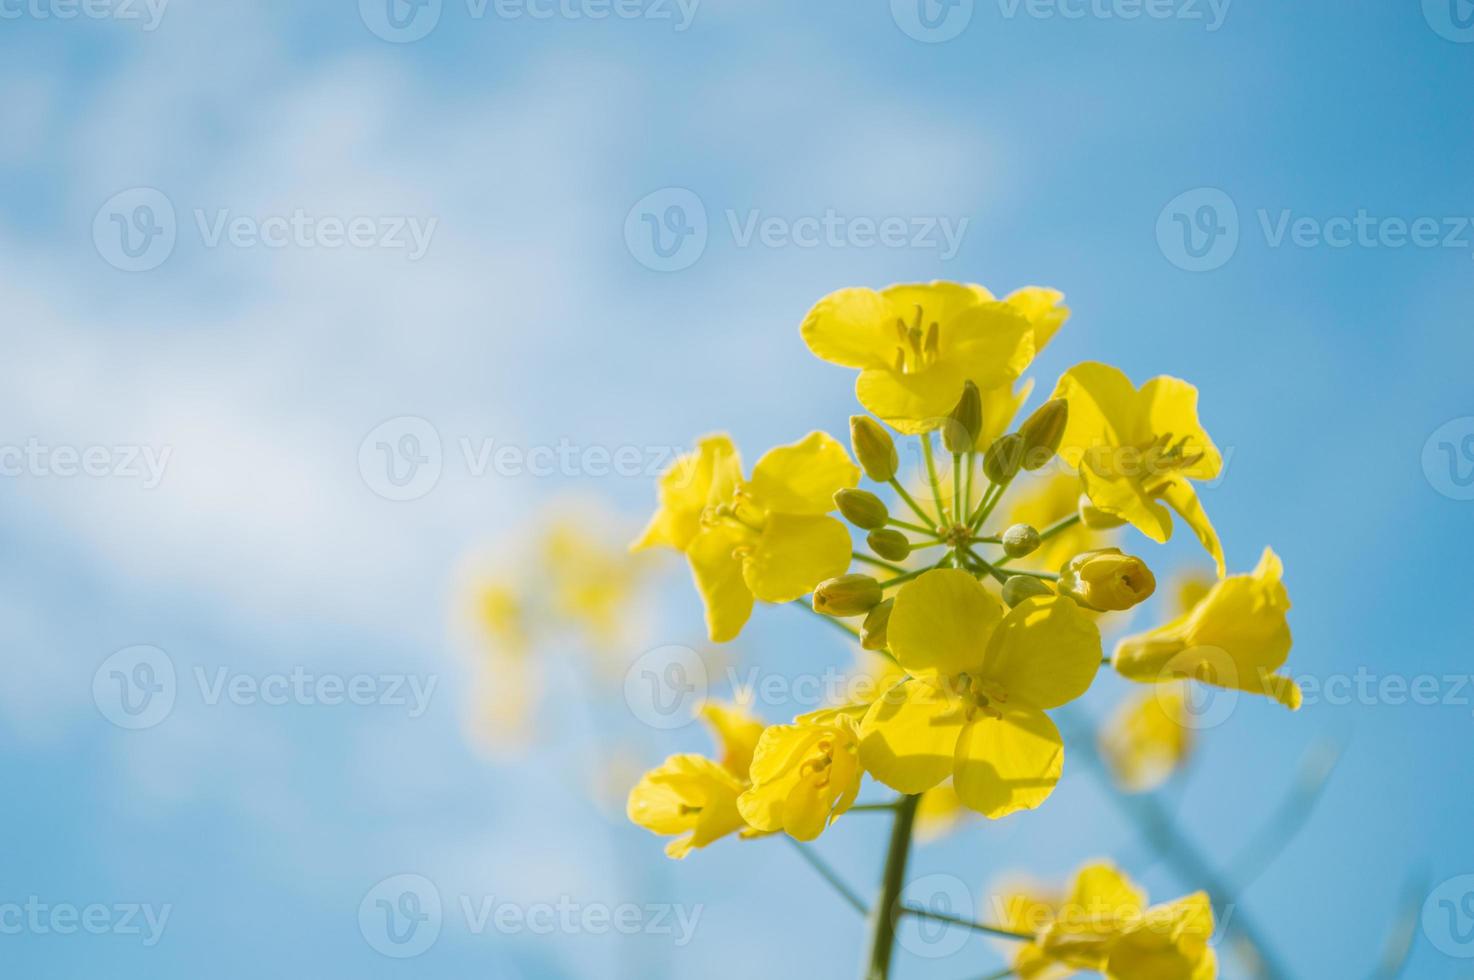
911,502
958,920
911,527
931,473
905,578
966,506
957,501
878,563
828,874
1058,526
886,913
802,604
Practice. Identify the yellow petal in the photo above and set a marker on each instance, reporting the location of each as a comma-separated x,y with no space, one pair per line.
940,302
685,489
1148,737
719,579
1045,310
1103,409
1102,891
912,403
1170,942
803,478
1000,405
737,733
1009,763
1181,497
687,793
1170,406
1045,653
992,342
795,553
1127,499
941,623
909,737
853,328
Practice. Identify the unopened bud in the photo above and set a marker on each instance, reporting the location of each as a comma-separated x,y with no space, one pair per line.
889,543
1042,432
1095,518
1020,540
960,431
1001,461
1107,580
847,595
1017,588
862,508
874,448
872,631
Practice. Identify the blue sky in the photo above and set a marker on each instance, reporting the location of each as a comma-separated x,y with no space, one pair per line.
1322,307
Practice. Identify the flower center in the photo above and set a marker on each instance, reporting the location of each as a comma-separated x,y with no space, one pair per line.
916,348
979,697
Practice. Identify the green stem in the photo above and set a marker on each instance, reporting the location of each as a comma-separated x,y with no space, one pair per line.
911,502
1059,526
958,920
875,807
966,506
931,473
957,501
886,913
905,578
911,527
828,874
878,563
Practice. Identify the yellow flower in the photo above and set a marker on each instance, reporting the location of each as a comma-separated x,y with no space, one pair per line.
915,345
501,615
1148,738
939,812
768,537
692,795
1107,580
1102,924
592,584
974,705
803,777
689,794
1137,449
1236,637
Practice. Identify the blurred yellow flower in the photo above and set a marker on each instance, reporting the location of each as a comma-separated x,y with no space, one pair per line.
1237,636
1102,924
768,537
916,344
1148,737
940,812
803,777
1138,448
974,705
501,614
592,584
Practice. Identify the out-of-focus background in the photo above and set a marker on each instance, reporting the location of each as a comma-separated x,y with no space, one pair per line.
312,312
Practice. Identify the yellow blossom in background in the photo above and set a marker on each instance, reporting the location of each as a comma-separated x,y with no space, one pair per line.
1046,500
1237,636
501,615
940,812
694,798
1137,450
803,777
768,537
1148,737
981,680
1102,924
592,582
916,344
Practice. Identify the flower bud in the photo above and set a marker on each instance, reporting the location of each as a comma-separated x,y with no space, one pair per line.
862,508
1020,540
872,631
874,448
960,431
1001,461
1042,432
1095,518
889,543
1020,587
1107,580
847,595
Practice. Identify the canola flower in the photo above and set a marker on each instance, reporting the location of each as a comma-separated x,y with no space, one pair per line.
980,613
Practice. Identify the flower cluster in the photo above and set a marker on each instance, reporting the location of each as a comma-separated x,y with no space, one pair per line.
989,614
